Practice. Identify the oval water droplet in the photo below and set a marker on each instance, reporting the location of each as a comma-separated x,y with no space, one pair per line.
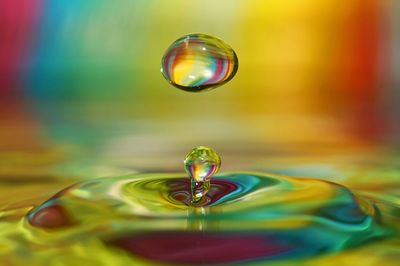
201,164
199,62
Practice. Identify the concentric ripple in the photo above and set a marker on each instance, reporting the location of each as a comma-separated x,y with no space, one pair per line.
246,217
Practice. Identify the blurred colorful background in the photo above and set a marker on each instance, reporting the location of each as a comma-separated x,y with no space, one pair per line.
317,93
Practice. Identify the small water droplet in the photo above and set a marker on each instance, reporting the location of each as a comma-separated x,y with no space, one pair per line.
201,164
199,62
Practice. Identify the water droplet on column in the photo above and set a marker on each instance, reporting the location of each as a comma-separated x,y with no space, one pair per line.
201,164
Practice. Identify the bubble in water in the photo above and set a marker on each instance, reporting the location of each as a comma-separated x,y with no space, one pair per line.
201,164
198,62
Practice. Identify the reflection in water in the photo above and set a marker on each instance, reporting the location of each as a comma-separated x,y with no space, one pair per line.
246,217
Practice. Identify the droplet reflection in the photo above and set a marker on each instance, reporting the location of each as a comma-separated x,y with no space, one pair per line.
199,62
201,164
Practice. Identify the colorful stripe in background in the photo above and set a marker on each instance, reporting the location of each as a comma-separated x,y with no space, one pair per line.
299,60
324,68
97,50
19,22
72,44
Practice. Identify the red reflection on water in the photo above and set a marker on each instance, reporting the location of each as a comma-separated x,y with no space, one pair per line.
180,190
50,217
200,247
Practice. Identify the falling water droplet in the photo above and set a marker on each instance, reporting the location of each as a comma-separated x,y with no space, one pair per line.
199,62
201,164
